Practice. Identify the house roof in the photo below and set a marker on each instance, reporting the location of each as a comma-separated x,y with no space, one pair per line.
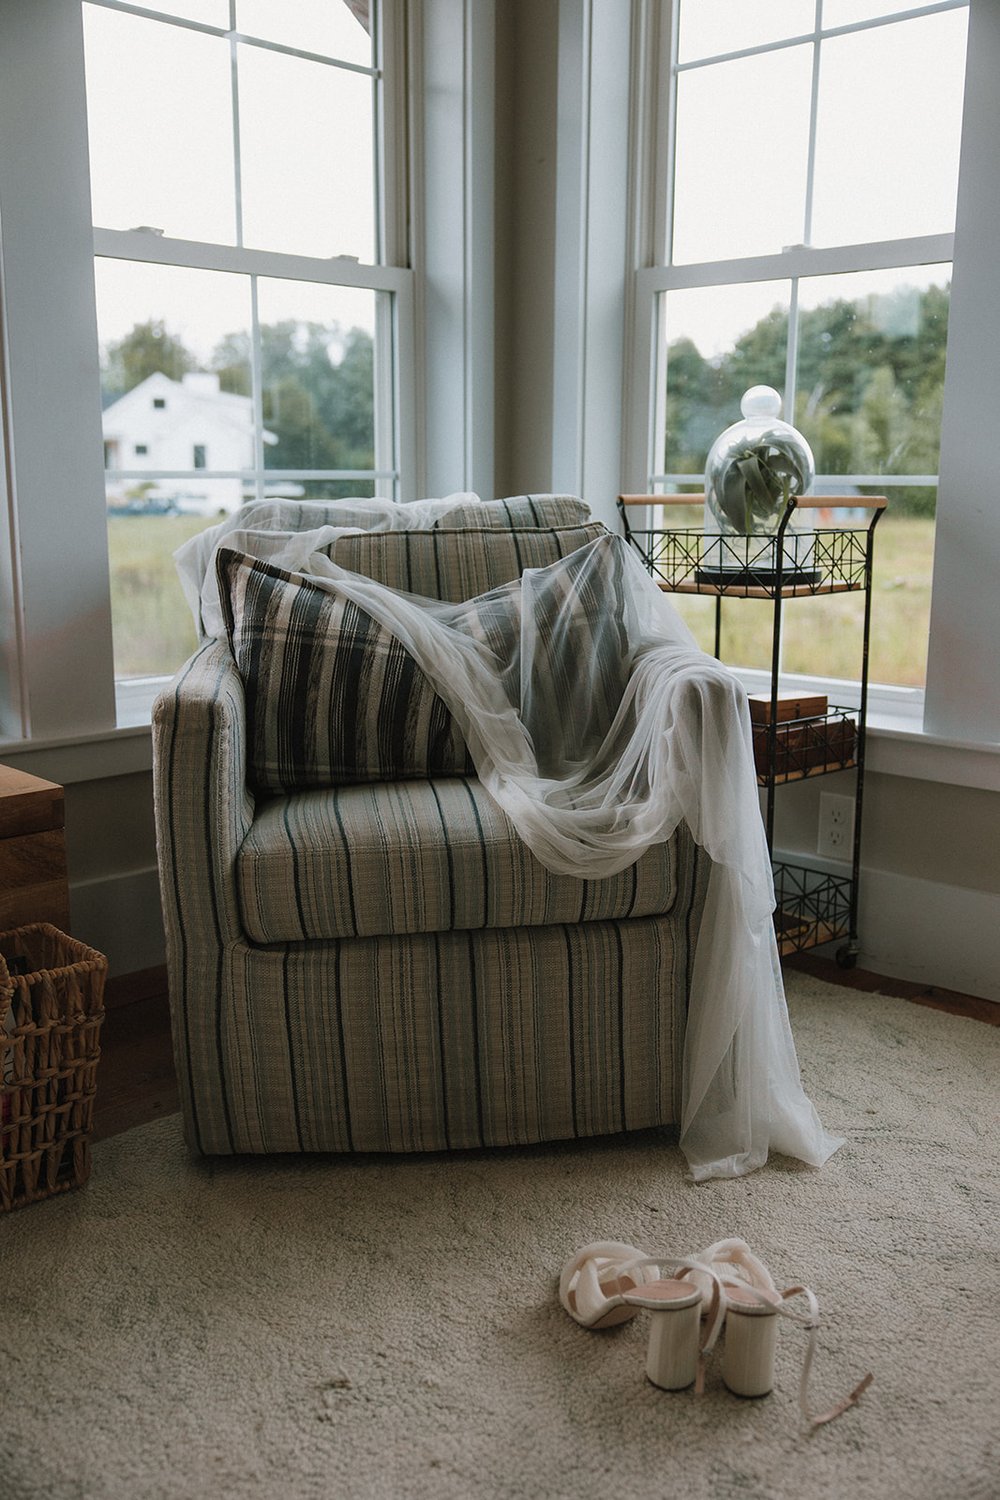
187,397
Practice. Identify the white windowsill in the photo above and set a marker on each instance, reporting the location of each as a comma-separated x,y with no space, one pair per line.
897,743
122,751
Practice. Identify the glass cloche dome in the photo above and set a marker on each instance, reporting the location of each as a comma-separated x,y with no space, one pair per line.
753,468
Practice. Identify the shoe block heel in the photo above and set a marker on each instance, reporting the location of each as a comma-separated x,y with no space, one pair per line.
674,1333
750,1339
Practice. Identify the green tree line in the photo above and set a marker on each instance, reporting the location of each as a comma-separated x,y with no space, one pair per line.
869,387
317,386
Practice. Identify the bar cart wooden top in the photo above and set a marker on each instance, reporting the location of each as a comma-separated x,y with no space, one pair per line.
673,559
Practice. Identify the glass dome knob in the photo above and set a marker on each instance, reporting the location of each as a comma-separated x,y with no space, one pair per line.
760,402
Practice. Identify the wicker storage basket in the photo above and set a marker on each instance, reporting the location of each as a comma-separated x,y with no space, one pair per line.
51,1009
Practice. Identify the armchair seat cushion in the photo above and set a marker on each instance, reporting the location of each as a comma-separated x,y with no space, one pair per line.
417,856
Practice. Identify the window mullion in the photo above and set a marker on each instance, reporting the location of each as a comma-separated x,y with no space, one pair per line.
338,270
807,260
813,124
670,142
257,389
234,83
792,350
378,107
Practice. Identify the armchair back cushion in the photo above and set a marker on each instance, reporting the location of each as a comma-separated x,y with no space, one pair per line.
455,564
518,510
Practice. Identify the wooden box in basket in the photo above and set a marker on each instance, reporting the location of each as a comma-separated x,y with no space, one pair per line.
51,1009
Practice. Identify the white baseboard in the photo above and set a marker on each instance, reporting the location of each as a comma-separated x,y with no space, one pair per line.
120,916
944,935
921,930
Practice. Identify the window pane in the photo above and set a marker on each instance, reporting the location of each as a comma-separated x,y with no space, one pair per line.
715,343
336,28
317,346
175,389
742,142
887,158
870,390
152,624
708,27
823,635
169,321
870,380
307,156
159,109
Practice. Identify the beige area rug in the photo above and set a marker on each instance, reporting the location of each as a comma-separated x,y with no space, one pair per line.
365,1328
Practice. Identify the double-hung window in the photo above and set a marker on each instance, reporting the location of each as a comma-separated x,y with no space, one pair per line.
800,236
247,272
246,310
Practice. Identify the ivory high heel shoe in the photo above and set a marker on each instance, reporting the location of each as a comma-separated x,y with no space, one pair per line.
593,1284
753,1306
607,1283
751,1330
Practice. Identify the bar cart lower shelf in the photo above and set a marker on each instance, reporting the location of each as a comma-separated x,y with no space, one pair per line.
812,905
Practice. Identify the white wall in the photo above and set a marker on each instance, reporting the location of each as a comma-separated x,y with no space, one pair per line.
930,890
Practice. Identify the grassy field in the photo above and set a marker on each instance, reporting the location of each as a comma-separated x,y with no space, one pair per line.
154,631
153,626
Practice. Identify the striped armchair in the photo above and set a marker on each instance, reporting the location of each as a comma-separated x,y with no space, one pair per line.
381,965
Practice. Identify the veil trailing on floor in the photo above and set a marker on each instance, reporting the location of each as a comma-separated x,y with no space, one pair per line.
597,725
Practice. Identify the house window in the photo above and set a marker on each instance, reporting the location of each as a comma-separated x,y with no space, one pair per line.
141,450
256,304
805,240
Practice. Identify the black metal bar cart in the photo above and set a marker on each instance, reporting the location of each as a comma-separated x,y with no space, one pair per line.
791,741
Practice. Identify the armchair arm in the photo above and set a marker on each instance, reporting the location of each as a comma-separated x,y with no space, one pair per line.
203,806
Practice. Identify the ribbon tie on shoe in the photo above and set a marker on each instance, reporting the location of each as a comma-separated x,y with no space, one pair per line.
810,1321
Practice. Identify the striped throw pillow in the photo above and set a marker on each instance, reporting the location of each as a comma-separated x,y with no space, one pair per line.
331,696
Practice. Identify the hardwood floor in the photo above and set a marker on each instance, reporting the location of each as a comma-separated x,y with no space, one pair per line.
902,989
136,1082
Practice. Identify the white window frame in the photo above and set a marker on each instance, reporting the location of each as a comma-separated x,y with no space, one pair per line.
655,123
57,682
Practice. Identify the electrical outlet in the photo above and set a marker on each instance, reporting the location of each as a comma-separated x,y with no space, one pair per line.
836,826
